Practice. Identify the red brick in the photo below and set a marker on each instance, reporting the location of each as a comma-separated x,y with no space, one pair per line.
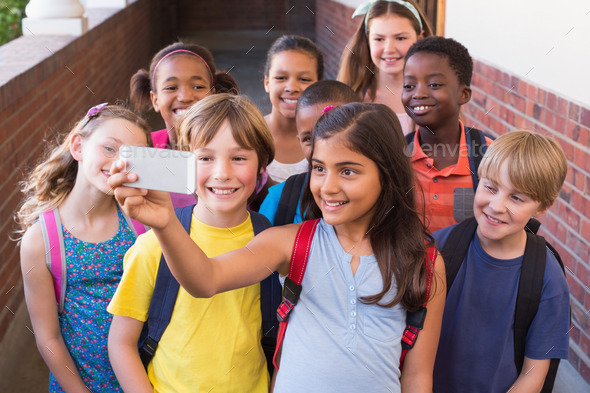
559,125
561,231
549,120
576,290
580,202
568,148
531,92
585,117
541,96
522,123
582,272
585,229
574,112
562,106
551,102
517,102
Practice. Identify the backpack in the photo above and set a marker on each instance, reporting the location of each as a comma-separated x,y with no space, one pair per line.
289,198
292,290
529,287
476,144
55,254
166,291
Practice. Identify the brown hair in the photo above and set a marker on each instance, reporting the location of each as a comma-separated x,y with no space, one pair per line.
51,181
537,165
299,44
141,82
356,67
201,122
398,237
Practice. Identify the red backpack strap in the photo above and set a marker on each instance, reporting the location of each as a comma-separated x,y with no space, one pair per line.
55,257
292,287
415,319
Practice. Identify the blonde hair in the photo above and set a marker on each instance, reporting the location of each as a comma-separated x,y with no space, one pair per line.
357,69
536,165
48,185
201,122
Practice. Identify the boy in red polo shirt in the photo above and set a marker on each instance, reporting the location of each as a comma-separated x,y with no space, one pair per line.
437,78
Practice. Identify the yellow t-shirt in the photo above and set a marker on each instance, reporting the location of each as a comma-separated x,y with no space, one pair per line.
210,344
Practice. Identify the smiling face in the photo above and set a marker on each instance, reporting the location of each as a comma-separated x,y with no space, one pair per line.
290,73
97,152
181,80
502,213
226,177
432,94
345,184
305,119
390,37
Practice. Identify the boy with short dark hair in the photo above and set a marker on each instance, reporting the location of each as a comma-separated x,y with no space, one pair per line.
282,205
520,177
444,153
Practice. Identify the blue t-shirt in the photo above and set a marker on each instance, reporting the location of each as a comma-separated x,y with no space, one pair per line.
476,348
271,203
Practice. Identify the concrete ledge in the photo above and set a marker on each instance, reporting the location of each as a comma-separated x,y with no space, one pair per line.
55,26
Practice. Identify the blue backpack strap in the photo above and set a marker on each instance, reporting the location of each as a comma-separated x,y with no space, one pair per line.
163,300
476,148
270,299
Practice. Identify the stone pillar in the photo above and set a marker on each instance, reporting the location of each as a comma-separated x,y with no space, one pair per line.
55,17
106,3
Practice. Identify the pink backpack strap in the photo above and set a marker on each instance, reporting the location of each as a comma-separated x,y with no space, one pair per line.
55,257
136,227
292,287
160,138
415,320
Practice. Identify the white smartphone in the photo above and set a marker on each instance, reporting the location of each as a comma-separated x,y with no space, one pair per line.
161,169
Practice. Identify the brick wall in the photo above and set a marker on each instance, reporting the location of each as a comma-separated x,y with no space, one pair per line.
334,28
231,15
501,102
39,100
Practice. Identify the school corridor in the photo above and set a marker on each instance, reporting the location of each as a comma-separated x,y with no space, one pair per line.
46,81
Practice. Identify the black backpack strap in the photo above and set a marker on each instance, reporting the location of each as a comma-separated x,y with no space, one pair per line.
163,300
528,297
456,246
476,148
289,198
270,299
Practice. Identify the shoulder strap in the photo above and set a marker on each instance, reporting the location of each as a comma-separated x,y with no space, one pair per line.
297,266
136,227
456,246
476,148
163,299
55,256
270,299
530,287
410,138
415,319
289,198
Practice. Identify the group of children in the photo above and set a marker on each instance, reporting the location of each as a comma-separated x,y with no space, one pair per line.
378,162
